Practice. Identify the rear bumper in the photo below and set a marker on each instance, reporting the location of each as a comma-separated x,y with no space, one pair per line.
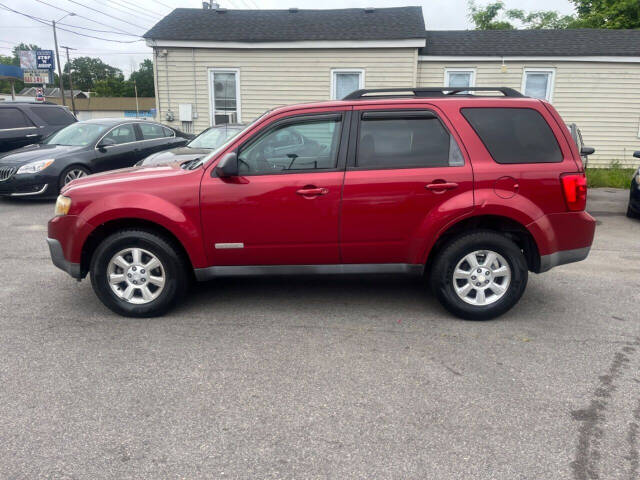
57,257
562,238
547,262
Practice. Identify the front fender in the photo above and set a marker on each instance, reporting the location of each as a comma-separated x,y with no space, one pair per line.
183,222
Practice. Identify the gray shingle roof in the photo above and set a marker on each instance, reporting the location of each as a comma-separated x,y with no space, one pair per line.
285,26
578,42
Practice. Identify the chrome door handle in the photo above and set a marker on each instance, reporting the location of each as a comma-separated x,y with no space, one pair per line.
442,186
312,191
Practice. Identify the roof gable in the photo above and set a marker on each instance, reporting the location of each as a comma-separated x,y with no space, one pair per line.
549,43
350,24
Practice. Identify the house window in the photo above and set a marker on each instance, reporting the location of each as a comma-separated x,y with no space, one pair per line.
224,92
345,81
458,77
538,83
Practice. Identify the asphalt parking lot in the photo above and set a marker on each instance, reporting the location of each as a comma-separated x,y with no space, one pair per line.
364,378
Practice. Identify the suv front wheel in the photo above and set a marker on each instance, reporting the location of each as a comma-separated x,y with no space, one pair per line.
479,276
138,273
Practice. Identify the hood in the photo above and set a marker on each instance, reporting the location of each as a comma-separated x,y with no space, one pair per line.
181,154
31,153
126,178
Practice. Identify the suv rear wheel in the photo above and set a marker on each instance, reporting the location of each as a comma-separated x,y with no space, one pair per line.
138,273
480,275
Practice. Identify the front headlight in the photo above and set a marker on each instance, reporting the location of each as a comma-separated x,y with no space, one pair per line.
62,205
35,167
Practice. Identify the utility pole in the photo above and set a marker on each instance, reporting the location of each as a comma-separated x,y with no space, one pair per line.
135,89
73,100
55,41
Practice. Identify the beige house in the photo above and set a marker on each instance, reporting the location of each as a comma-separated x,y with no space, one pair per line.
216,66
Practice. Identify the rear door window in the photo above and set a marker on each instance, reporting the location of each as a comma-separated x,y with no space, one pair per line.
515,135
122,134
53,115
151,131
412,139
13,118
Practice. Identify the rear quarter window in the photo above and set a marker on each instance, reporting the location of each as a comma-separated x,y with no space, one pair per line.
514,135
53,115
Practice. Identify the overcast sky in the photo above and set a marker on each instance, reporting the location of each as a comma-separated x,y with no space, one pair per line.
136,16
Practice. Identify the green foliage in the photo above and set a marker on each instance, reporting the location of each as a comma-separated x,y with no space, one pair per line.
486,18
88,71
607,14
590,14
612,177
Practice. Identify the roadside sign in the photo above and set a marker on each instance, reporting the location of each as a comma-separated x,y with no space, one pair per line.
44,60
39,94
40,77
27,59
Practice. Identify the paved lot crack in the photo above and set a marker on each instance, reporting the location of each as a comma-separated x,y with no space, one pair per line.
591,432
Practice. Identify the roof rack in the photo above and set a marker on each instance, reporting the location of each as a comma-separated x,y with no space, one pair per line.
426,92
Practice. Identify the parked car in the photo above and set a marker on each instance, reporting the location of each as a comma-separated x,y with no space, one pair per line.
80,149
203,144
473,191
633,210
24,123
576,134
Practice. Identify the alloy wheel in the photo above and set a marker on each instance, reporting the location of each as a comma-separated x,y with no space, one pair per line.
481,277
136,275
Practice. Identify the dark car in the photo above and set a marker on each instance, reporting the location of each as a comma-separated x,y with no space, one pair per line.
633,210
203,144
24,123
79,150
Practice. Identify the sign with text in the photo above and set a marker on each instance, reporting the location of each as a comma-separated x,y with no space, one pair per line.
39,94
44,60
37,76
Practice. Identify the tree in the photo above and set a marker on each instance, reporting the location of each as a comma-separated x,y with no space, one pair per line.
87,71
484,18
607,14
494,16
144,79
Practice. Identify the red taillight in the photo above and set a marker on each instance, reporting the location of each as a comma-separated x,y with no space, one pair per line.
574,187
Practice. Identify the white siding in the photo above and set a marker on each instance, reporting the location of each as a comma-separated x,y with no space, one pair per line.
603,99
269,78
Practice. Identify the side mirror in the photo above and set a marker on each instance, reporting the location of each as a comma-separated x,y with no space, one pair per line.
636,154
586,151
106,142
227,166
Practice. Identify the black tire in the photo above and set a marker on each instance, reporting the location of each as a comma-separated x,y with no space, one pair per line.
442,282
632,213
61,178
175,272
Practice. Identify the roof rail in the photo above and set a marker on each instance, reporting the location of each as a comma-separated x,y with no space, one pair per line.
427,92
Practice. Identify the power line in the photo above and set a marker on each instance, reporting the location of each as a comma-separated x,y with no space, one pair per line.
132,5
95,30
64,29
78,15
104,13
165,5
129,10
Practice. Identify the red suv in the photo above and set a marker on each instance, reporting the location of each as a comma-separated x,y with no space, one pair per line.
472,191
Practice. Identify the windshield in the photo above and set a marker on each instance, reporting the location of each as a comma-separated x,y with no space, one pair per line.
77,134
214,137
213,154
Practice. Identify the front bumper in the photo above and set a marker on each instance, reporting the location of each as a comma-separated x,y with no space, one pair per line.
57,257
30,185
